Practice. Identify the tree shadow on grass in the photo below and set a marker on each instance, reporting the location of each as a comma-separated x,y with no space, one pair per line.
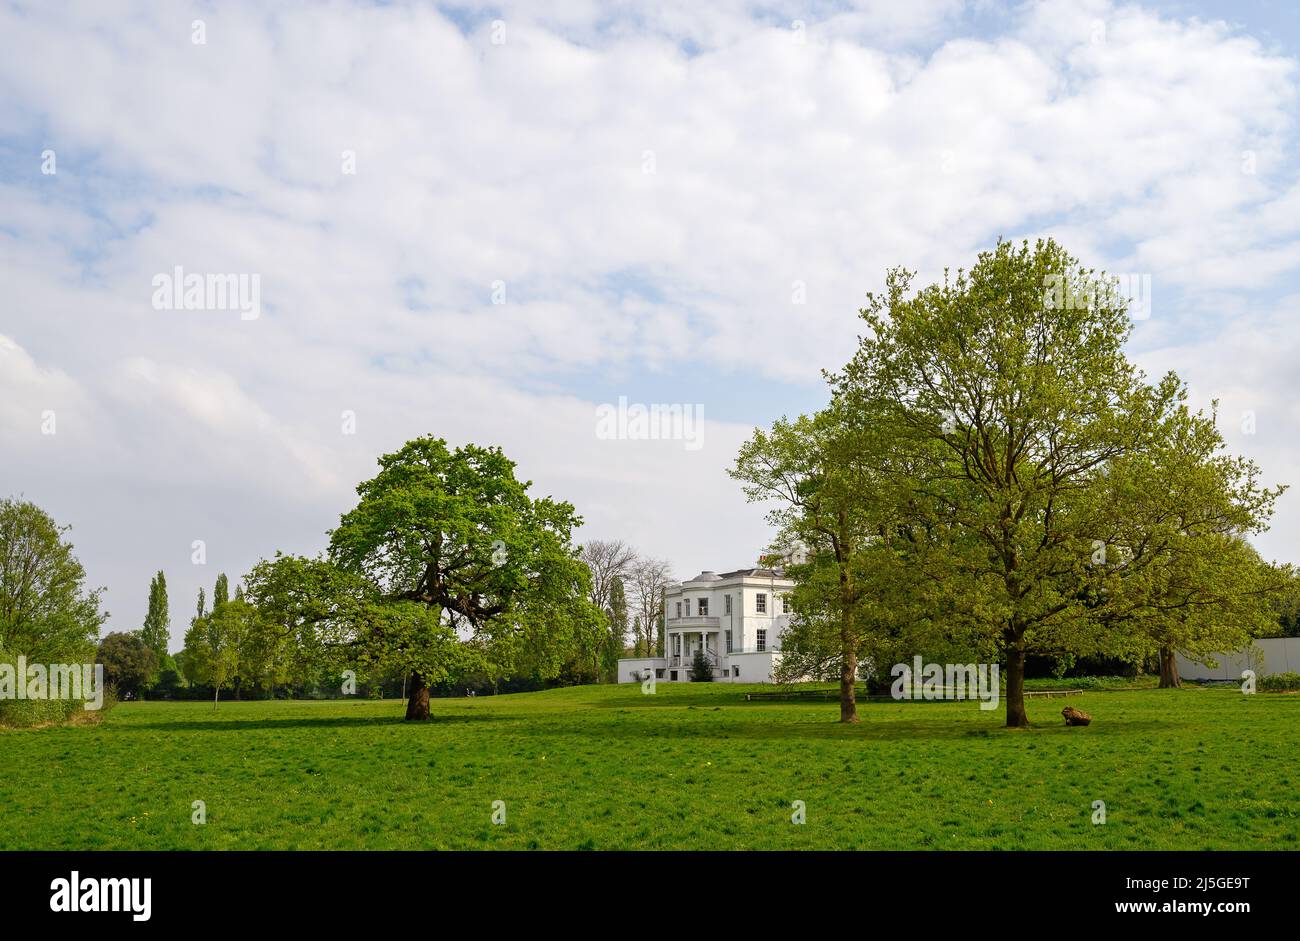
783,728
302,722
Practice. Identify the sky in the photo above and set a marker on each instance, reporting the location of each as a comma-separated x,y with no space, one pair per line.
492,223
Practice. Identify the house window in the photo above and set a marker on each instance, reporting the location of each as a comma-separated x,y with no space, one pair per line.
762,639
728,641
677,645
688,607
659,673
704,607
673,676
679,610
736,674
726,604
760,602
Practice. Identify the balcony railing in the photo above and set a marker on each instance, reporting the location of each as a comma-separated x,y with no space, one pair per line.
717,656
696,620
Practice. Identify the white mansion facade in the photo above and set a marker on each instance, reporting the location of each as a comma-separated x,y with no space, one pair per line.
736,618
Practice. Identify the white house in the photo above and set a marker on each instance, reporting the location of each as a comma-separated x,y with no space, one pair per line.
737,619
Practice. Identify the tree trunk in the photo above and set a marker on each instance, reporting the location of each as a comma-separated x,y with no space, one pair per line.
1016,717
849,695
216,691
848,659
1169,678
848,642
417,707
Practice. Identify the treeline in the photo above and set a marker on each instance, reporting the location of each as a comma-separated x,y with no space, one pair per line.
318,628
447,578
629,589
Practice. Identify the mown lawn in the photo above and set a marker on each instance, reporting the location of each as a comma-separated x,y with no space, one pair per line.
691,767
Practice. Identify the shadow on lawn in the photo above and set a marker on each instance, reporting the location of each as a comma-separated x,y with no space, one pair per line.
817,721
303,722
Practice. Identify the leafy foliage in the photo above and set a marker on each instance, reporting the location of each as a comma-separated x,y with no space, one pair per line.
701,670
46,611
445,566
129,663
1280,682
993,473
156,631
214,642
616,636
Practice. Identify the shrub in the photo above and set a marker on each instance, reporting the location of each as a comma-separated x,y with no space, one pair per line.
24,713
168,684
701,668
1089,682
1280,683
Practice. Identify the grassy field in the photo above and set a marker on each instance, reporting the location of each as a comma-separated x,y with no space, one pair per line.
692,767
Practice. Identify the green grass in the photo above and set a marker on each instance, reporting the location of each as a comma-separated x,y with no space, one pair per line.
692,767
1145,681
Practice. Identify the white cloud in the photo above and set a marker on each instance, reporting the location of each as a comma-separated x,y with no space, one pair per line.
886,137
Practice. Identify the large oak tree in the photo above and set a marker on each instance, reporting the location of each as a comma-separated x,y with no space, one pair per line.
445,563
1009,404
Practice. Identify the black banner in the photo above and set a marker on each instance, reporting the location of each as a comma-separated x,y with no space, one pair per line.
364,889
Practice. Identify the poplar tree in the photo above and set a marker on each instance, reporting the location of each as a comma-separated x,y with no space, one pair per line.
617,635
221,592
156,632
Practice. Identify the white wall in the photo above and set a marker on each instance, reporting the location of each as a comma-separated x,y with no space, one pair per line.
754,667
639,665
1266,656
744,620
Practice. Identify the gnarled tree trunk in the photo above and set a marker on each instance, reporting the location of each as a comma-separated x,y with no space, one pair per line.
417,705
1169,678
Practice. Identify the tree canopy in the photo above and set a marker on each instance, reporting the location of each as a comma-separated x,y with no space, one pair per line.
46,611
128,662
992,465
156,630
445,564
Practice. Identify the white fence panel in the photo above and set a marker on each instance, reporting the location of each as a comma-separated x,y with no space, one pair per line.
1266,656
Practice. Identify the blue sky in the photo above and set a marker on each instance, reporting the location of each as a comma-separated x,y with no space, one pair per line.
485,221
